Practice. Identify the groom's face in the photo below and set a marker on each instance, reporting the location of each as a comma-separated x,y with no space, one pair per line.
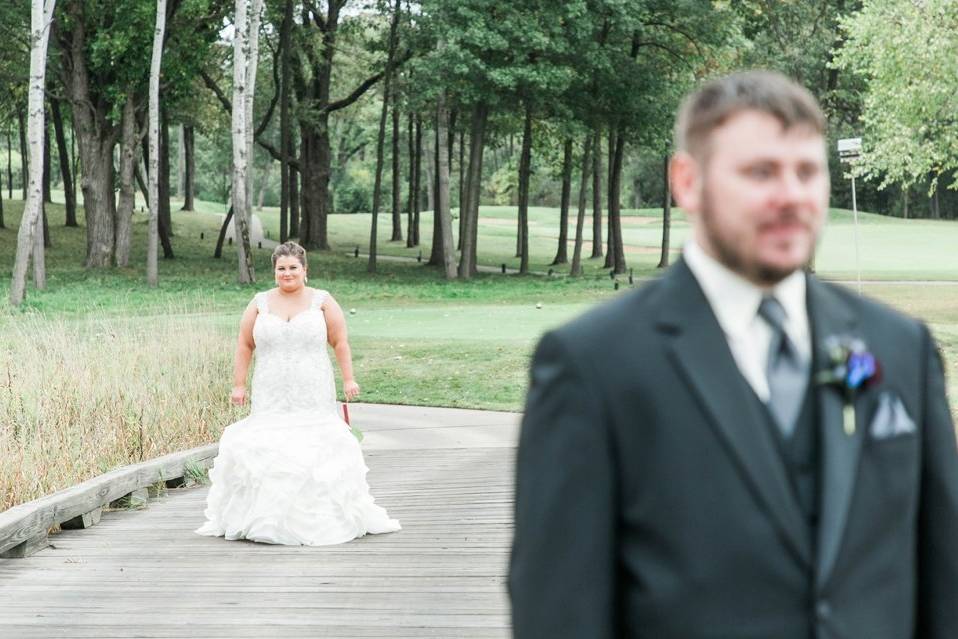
758,196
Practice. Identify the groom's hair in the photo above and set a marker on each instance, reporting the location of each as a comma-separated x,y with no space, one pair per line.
719,99
289,249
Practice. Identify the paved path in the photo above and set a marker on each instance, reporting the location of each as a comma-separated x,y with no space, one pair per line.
445,473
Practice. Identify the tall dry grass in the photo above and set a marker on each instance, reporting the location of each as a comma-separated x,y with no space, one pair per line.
79,398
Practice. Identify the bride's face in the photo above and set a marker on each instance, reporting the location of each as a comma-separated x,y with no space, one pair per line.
290,274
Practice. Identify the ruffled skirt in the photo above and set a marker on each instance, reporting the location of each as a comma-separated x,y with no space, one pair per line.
293,480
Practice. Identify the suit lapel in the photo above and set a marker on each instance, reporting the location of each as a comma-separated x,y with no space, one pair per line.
830,315
700,351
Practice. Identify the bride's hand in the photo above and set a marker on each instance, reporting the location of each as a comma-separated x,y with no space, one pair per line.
238,396
350,390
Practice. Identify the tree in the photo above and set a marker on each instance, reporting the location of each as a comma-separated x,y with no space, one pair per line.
63,155
104,46
907,53
152,269
380,141
587,165
562,252
442,192
28,237
244,79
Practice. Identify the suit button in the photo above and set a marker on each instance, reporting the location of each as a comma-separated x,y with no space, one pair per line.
823,611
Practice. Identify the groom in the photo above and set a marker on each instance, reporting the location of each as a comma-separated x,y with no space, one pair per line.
738,450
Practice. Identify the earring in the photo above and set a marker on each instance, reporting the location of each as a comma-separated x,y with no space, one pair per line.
305,279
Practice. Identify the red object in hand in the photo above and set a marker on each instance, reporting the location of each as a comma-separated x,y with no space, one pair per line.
345,413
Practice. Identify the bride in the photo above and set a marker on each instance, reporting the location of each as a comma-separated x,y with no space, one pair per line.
292,473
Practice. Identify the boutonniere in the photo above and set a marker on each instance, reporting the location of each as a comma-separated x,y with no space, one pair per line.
850,368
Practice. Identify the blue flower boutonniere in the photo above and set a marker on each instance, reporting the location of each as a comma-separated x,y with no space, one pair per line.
850,368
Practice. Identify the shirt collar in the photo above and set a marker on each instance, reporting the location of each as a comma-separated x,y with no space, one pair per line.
735,300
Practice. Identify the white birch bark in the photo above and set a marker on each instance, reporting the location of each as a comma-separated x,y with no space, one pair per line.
30,235
242,135
152,251
442,205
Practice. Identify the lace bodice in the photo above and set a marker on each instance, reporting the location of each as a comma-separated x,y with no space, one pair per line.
292,372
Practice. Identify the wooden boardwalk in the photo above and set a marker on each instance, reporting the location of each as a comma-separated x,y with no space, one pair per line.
446,475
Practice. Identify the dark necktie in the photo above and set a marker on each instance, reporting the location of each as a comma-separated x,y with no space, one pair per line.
786,372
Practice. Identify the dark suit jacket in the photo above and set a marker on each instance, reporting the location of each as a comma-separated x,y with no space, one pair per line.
652,502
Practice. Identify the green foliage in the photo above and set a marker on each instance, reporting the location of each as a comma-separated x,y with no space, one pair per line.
908,54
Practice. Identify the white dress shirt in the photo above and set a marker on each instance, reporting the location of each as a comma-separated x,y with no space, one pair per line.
734,301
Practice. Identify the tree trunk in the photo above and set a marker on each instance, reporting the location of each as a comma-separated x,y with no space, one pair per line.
904,209
666,215
152,269
189,168
463,191
166,219
417,183
180,160
96,136
435,255
2,223
615,209
9,168
28,237
411,200
587,165
284,124
562,254
396,206
242,63
525,171
597,195
467,259
442,194
218,251
129,141
430,178
47,195
63,154
24,172
609,253
381,139
294,196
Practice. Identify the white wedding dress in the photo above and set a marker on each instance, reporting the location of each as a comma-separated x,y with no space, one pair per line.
292,473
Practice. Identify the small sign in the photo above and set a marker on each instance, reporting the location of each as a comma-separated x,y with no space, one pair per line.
849,149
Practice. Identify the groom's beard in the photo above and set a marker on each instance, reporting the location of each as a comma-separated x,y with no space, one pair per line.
733,252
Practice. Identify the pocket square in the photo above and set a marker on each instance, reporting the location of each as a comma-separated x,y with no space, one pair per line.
891,418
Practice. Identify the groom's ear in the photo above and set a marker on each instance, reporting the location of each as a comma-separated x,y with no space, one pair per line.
685,177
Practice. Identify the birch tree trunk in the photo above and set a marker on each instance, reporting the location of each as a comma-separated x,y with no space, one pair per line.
152,269
241,138
442,193
28,237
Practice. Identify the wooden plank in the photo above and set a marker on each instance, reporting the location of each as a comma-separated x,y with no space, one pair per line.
35,518
145,573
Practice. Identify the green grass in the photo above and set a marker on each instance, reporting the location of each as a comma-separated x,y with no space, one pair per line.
99,369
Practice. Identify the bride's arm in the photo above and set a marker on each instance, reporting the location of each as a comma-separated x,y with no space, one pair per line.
244,352
337,338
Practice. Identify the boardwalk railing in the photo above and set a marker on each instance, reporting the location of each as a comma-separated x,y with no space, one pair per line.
24,528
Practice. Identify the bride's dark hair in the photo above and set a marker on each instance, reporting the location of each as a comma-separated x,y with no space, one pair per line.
289,249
